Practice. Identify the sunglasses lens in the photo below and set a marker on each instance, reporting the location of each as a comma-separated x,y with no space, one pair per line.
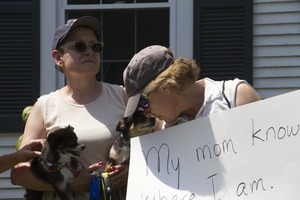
144,103
97,47
80,46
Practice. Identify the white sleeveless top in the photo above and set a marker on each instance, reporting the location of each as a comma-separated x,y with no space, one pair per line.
214,100
94,123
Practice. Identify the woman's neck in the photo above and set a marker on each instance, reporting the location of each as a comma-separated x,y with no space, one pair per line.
81,93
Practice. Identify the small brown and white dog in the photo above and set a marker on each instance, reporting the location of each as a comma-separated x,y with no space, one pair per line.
135,125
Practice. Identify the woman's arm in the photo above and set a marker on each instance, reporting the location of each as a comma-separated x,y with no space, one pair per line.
21,175
29,151
246,94
7,162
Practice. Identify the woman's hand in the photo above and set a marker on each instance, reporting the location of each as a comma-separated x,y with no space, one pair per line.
82,182
118,175
30,150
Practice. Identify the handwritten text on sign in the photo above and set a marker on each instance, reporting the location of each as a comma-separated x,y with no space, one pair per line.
250,152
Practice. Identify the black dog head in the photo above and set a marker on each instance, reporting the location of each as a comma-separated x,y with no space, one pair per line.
135,125
64,140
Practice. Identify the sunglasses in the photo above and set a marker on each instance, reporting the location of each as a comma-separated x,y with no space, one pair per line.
144,103
81,46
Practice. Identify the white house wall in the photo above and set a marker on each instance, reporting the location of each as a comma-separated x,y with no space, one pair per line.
276,46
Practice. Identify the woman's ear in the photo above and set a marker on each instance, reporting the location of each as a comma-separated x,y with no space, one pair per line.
57,57
166,88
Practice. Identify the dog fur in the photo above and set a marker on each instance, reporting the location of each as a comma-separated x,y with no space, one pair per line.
57,164
135,125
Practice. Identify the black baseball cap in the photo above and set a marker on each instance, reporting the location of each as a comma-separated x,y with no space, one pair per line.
63,31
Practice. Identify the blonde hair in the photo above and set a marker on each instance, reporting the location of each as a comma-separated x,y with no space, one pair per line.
177,76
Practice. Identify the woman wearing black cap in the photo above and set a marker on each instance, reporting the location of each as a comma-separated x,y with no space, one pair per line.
93,108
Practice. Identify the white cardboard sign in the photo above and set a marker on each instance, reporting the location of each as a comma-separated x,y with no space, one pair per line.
249,152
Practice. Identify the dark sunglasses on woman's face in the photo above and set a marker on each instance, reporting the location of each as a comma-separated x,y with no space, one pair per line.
81,46
144,103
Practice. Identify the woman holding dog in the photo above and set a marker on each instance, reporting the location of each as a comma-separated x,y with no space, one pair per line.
93,108
169,89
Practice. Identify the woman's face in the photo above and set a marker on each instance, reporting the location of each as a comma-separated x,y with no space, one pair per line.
80,63
163,106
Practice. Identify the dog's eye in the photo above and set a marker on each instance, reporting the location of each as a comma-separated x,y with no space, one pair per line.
72,143
140,118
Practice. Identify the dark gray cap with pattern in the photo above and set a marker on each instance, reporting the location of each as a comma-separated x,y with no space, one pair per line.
145,66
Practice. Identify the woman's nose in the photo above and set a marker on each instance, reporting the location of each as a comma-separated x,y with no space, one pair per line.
147,112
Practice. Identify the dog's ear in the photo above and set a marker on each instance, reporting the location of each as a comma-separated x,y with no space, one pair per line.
53,137
71,128
121,126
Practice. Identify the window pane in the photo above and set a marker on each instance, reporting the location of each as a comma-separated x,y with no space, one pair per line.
118,34
152,27
150,1
112,72
70,2
77,14
116,1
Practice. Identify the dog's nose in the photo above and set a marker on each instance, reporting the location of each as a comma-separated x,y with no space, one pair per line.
82,147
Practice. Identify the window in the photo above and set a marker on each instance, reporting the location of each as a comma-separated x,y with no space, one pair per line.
223,38
19,60
125,32
70,2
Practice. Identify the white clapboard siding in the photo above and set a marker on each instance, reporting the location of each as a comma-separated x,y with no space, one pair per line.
262,62
7,190
276,46
289,40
